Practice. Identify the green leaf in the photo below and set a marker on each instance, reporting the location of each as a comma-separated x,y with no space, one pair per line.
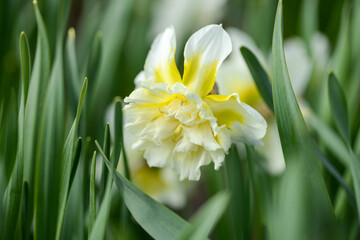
153,217
328,137
119,138
25,63
12,196
93,59
13,193
104,173
68,156
295,139
239,209
206,218
78,147
92,204
335,173
49,150
309,21
72,67
355,171
100,224
259,75
355,29
340,61
35,98
339,107
62,16
25,210
340,112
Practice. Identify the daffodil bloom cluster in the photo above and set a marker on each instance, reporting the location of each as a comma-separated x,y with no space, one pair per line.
177,123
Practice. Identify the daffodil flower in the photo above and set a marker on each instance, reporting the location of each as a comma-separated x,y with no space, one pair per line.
177,123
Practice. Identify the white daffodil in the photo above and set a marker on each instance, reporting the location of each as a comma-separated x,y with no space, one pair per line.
177,123
235,76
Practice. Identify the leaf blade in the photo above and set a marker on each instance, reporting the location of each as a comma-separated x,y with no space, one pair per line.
259,75
153,217
339,107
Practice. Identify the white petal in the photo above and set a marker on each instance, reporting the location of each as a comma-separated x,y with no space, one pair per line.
202,135
160,63
244,122
204,52
139,79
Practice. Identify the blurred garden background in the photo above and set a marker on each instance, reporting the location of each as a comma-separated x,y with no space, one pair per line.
53,186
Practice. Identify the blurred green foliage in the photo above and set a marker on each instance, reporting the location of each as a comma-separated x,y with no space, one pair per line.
47,189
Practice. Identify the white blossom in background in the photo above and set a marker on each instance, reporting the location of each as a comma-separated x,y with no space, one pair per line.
198,14
235,76
175,119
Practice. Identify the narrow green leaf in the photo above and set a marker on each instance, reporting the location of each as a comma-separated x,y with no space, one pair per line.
92,204
100,224
355,171
259,75
62,16
357,144
13,194
49,147
206,218
153,217
239,209
78,147
331,140
341,57
13,199
68,156
335,173
119,138
94,58
340,62
72,67
25,63
9,134
24,208
339,107
86,159
340,112
295,139
355,29
35,98
309,21
104,173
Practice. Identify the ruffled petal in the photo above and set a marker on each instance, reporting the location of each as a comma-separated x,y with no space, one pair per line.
204,52
244,122
160,66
